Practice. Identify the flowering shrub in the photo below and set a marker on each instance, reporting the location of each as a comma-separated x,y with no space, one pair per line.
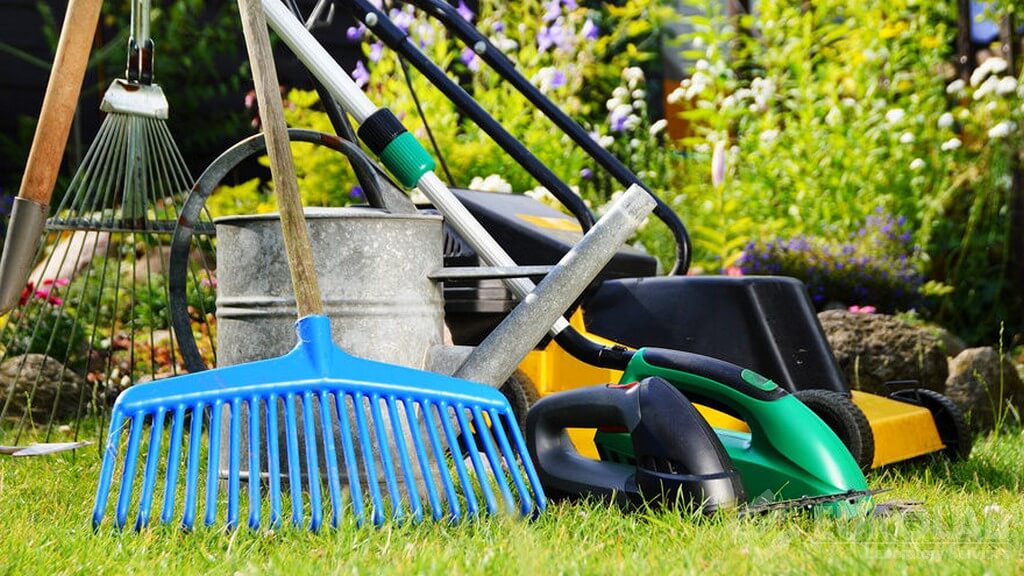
871,267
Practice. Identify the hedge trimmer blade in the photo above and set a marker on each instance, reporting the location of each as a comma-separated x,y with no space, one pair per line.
852,502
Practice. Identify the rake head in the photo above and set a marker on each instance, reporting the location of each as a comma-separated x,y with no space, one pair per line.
382,441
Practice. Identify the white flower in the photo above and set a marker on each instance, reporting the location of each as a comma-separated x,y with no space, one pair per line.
675,95
605,141
762,89
993,65
895,115
633,76
728,102
543,195
951,144
849,102
956,87
1002,129
634,143
917,164
492,183
946,120
769,136
697,42
621,92
834,116
992,509
639,94
1006,85
658,126
718,164
506,44
702,65
986,88
631,122
906,138
545,76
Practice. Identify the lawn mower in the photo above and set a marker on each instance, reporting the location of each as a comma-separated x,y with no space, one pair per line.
765,323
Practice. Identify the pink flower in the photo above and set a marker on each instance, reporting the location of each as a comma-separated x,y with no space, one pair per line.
734,271
718,165
862,309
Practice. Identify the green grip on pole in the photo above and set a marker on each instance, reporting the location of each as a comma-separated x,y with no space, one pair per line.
407,159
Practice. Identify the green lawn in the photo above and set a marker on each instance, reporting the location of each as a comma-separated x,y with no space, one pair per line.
973,523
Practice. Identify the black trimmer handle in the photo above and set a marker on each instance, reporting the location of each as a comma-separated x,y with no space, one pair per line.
678,457
561,468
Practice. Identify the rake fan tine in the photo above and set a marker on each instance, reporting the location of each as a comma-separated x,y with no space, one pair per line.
213,463
446,477
254,463
403,456
525,499
472,509
107,470
474,457
377,514
520,449
128,476
195,438
234,464
421,457
292,445
273,462
386,461
156,434
496,469
312,467
173,457
331,458
351,468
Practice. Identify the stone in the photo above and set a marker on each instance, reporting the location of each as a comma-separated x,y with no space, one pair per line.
873,349
53,382
976,385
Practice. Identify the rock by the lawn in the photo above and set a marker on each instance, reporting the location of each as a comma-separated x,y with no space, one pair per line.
976,385
53,383
873,349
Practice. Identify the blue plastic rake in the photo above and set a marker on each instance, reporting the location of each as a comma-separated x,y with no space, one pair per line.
360,420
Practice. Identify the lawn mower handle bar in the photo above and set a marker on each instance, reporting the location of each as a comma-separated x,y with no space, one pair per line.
496,59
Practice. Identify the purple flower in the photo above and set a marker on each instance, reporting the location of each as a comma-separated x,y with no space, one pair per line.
402,19
354,33
589,30
498,26
554,10
554,35
464,11
586,174
356,193
468,57
544,39
618,123
361,75
376,51
557,79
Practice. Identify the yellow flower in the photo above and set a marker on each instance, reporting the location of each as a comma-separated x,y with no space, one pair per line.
931,42
892,30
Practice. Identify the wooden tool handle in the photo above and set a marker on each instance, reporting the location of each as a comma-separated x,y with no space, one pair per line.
289,203
60,100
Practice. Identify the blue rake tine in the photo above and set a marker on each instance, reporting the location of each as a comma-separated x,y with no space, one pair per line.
273,461
496,470
128,475
421,457
525,498
234,464
195,438
442,467
474,457
173,461
312,467
527,465
294,472
472,509
107,470
403,456
351,467
156,433
254,463
213,463
376,501
331,458
386,461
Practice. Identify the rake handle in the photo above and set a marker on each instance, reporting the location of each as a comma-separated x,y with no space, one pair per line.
60,101
289,202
